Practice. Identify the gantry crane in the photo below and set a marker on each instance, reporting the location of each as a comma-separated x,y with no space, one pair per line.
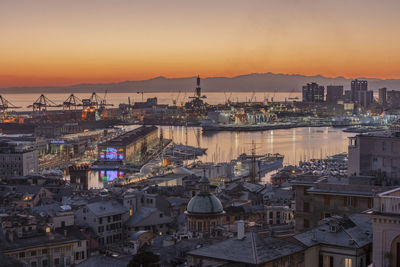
6,105
72,102
42,103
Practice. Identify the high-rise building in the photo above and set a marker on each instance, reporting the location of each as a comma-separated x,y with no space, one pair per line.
334,93
364,98
312,92
382,96
393,99
357,85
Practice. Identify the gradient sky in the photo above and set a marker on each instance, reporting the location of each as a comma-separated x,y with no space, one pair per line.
65,42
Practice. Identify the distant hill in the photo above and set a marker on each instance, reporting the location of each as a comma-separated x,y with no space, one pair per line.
259,82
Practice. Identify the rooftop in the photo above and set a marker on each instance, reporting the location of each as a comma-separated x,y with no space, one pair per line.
252,249
130,137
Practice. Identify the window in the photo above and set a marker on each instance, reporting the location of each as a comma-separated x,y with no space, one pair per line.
33,263
33,253
45,263
56,261
76,255
350,201
22,254
327,261
347,262
161,215
306,223
79,243
44,251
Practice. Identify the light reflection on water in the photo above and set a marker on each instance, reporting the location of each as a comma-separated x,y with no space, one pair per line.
295,144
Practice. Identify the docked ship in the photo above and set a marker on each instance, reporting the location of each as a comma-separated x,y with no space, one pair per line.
263,164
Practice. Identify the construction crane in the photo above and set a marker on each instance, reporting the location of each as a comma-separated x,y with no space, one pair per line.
175,100
72,102
273,96
42,103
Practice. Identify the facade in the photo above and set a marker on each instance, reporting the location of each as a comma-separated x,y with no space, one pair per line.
204,212
105,218
338,242
334,93
385,218
356,86
382,96
393,99
318,198
129,147
364,98
375,154
17,161
312,92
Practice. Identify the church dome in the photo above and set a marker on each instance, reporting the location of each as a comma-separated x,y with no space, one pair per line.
204,203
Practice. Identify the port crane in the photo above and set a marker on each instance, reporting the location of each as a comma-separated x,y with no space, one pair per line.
42,103
95,101
6,105
72,102
228,98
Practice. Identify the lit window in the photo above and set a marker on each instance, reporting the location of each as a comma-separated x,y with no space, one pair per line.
347,262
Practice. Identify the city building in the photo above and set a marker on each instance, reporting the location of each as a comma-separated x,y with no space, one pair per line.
312,92
318,198
338,242
382,96
385,219
393,99
249,249
204,212
17,160
105,218
375,154
356,86
364,98
130,147
334,93
22,239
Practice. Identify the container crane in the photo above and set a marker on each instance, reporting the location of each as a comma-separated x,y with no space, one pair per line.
72,102
42,103
5,105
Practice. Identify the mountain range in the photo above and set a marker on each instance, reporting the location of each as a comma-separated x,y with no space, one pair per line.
259,82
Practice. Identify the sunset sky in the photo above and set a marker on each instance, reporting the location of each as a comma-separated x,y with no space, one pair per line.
66,42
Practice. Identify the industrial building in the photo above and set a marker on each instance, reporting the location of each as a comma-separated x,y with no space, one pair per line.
128,147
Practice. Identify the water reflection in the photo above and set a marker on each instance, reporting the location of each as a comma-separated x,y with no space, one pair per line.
295,144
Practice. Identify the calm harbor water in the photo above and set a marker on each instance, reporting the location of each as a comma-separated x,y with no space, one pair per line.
295,144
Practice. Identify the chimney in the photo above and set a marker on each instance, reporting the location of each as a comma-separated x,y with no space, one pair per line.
240,229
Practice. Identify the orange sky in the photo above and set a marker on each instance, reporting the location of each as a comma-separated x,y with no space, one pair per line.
66,42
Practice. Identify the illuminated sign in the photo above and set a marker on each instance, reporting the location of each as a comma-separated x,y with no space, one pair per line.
110,175
111,153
